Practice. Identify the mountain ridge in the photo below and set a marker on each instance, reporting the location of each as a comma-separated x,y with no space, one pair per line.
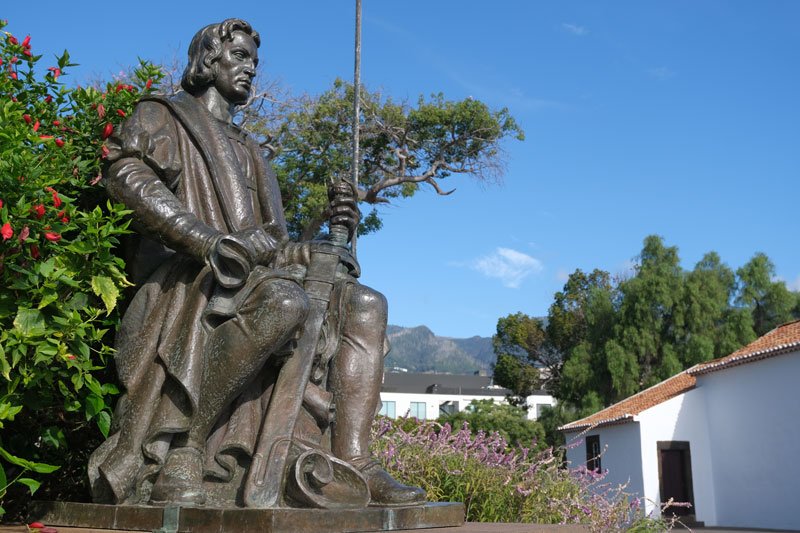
418,349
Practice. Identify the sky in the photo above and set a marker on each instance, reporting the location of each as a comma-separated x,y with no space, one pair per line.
678,118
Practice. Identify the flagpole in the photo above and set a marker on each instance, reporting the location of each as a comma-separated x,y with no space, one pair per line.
356,115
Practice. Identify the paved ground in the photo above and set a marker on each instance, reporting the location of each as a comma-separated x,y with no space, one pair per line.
466,528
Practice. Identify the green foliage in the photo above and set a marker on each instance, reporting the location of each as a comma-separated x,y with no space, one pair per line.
501,483
607,340
61,279
509,421
401,147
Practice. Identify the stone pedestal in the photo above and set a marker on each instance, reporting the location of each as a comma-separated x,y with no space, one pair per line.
173,519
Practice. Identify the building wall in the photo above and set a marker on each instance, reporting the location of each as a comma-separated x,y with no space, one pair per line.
753,414
536,401
432,402
620,444
681,418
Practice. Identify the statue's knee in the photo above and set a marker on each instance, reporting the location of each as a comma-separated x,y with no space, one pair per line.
292,305
369,301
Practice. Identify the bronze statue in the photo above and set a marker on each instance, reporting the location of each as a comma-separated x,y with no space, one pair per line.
252,364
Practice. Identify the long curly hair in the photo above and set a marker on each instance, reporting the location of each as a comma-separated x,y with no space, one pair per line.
206,49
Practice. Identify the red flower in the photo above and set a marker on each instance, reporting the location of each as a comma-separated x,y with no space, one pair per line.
6,231
12,39
104,149
56,72
59,142
56,123
119,87
35,251
1,204
1,61
148,84
56,199
36,126
108,130
52,236
38,210
48,98
27,53
24,234
13,75
36,525
70,357
26,118
95,180
120,112
14,59
45,137
64,218
101,111
26,42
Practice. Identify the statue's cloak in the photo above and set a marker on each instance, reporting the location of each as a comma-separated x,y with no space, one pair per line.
181,172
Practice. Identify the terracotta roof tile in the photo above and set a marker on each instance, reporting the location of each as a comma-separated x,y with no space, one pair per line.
783,339
625,410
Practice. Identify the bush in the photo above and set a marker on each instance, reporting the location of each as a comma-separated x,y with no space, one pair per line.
510,421
498,483
60,280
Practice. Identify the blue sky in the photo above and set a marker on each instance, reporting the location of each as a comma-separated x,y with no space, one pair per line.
677,118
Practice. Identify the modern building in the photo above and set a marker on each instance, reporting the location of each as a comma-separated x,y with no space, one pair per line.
426,396
722,435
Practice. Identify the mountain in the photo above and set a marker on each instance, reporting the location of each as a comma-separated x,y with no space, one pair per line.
418,349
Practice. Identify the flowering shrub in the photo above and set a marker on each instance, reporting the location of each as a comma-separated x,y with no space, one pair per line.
59,277
498,483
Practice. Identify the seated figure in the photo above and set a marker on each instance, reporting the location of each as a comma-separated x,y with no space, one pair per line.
221,304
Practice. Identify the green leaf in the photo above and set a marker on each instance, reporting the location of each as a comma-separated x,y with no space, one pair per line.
104,422
40,468
3,480
5,368
30,322
54,436
94,404
105,288
32,484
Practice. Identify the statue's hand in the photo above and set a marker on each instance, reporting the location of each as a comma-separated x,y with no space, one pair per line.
260,245
230,259
344,207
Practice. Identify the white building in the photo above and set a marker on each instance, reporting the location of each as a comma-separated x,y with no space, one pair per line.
425,396
722,435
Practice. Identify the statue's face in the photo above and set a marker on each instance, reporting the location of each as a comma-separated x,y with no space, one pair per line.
236,68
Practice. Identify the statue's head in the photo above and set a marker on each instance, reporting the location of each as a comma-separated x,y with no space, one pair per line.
224,55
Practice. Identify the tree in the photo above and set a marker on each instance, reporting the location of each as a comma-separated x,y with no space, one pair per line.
770,302
508,420
60,278
403,146
521,349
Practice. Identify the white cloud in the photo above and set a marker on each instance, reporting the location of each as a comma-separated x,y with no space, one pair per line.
794,285
660,73
574,29
507,265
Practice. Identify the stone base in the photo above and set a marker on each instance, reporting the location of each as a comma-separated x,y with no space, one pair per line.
209,520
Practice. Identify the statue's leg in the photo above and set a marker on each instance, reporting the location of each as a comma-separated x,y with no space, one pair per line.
234,354
355,380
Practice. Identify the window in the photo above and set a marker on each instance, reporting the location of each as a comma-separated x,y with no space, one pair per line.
593,452
388,409
448,408
540,408
418,410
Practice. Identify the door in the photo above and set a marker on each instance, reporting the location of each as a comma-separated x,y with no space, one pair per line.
675,476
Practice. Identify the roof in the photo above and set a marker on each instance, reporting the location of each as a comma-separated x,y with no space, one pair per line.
411,382
625,410
783,339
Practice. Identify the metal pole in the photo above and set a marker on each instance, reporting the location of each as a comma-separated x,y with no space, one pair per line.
356,113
